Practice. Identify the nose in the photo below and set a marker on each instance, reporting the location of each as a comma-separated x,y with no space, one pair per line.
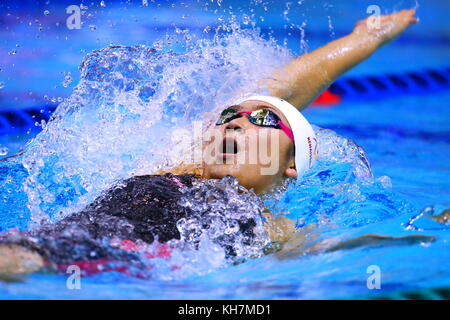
236,125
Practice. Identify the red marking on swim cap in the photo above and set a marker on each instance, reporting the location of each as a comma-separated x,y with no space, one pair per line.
310,151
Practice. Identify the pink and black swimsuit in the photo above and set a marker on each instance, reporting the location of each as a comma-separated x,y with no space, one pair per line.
136,211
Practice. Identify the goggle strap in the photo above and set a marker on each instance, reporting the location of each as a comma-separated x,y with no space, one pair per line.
286,130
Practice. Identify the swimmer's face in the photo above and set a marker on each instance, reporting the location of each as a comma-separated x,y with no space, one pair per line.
259,157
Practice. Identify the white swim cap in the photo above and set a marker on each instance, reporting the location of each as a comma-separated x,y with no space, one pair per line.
305,142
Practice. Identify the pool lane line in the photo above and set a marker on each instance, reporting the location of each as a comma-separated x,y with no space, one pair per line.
380,87
344,90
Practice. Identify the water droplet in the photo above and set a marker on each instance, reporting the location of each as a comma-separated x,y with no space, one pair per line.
246,19
2,85
3,151
12,52
46,13
158,45
102,4
331,28
181,31
67,80
92,27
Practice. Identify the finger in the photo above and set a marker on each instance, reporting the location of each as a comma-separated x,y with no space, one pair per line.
409,14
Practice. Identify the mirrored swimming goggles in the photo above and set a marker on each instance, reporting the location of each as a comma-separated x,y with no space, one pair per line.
261,117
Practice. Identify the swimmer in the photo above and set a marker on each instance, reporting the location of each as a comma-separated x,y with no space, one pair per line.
144,208
299,83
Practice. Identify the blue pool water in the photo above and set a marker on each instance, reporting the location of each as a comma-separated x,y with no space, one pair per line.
406,139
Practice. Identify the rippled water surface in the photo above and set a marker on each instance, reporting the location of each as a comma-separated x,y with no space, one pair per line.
383,168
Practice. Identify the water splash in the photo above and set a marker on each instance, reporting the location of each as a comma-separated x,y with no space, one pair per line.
226,227
118,121
340,192
232,214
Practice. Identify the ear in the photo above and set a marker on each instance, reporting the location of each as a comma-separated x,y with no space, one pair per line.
290,171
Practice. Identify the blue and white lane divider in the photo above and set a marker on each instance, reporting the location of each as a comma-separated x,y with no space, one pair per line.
392,85
347,89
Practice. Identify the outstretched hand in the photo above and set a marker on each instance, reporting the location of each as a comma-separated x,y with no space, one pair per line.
386,27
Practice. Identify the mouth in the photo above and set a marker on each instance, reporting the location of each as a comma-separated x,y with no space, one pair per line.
229,147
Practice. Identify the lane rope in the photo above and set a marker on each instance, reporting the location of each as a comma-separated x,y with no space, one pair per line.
344,90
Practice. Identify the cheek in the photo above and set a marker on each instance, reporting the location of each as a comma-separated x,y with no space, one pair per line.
270,142
211,138
286,150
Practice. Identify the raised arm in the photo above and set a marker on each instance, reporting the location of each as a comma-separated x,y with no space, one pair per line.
306,77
